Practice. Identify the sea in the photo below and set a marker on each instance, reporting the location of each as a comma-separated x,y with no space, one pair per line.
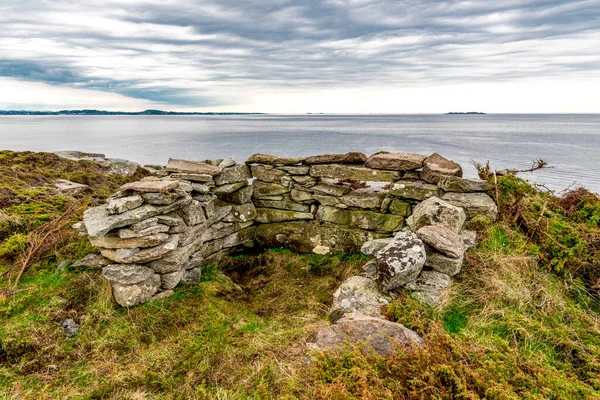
569,143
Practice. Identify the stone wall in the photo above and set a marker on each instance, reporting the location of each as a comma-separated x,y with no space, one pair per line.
160,231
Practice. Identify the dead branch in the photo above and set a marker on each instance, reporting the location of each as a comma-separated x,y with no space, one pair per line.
45,238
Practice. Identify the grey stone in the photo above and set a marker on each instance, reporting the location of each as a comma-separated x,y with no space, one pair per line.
384,337
70,328
191,277
262,189
120,205
414,190
267,173
69,188
192,167
144,255
372,247
229,188
206,178
435,167
145,224
170,280
462,185
241,213
301,196
352,172
269,215
151,230
333,190
160,198
234,174
126,274
347,158
469,238
430,287
445,240
261,159
331,201
358,294
227,162
131,295
369,220
115,242
395,161
288,160
295,169
193,213
240,196
474,204
361,198
283,204
125,253
150,186
435,211
92,261
305,180
162,295
121,167
400,261
78,226
442,263
170,220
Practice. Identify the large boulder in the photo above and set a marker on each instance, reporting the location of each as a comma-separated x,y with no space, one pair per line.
384,337
399,262
396,161
435,167
358,294
435,211
474,204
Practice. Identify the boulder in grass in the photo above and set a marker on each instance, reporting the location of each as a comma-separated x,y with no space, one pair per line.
383,337
395,161
134,294
358,294
69,188
400,261
442,263
430,287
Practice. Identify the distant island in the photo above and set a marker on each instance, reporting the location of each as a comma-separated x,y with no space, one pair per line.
102,112
466,113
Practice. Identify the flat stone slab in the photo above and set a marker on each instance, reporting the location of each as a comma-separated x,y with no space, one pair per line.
115,242
396,161
150,186
369,220
260,158
126,274
356,173
414,190
192,167
270,215
69,188
462,185
346,158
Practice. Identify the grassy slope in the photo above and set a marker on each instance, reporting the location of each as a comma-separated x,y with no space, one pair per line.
511,328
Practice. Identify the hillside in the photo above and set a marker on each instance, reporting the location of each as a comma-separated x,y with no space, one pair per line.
522,320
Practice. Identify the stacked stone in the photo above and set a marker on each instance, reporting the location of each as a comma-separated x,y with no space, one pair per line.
159,232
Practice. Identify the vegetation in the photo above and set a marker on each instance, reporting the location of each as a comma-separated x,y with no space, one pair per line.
522,320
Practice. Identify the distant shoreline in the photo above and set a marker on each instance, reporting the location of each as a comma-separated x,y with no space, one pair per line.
101,112
466,113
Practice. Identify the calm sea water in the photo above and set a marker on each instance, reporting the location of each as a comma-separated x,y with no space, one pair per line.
570,143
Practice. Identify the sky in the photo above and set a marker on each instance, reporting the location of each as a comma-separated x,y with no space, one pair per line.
333,56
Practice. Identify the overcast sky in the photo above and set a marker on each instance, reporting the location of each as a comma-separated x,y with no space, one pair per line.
400,56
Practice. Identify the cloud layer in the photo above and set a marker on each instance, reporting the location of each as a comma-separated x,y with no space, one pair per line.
231,54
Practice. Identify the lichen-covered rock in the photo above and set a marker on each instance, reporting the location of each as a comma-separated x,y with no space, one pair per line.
288,160
369,220
262,189
372,247
160,198
435,167
229,188
234,174
355,173
383,336
92,261
302,196
269,215
193,213
469,238
240,196
284,204
131,295
126,274
127,233
191,277
332,190
144,255
120,205
463,185
294,169
347,158
435,211
115,242
445,240
400,207
413,190
395,161
430,287
267,173
400,261
261,159
358,294
150,186
474,204
241,213
364,198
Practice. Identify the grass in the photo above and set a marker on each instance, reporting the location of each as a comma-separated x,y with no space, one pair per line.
517,325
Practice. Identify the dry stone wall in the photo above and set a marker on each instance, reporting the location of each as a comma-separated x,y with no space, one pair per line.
161,230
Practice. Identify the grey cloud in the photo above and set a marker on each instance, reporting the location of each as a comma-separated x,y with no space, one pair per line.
203,53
